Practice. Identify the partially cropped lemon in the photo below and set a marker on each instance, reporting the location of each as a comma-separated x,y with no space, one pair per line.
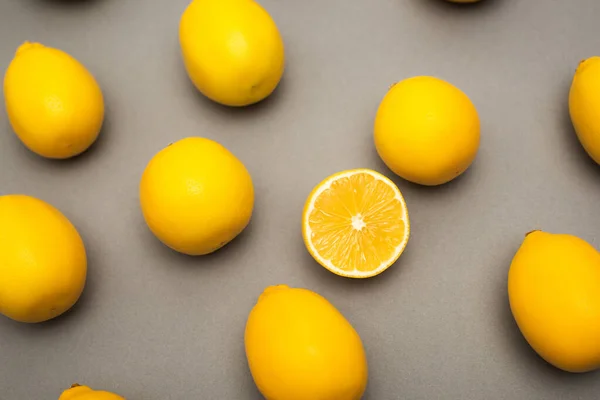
355,223
43,263
427,130
554,293
300,347
78,392
232,50
584,103
54,104
196,196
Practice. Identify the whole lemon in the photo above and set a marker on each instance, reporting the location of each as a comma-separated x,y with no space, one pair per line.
300,347
78,392
43,264
584,103
196,196
54,104
554,293
232,50
426,130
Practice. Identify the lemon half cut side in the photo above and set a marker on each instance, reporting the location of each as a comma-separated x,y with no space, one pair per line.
355,223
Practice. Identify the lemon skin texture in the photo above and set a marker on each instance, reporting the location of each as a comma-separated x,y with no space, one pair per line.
78,392
554,294
54,104
43,262
300,347
584,103
196,196
232,50
427,131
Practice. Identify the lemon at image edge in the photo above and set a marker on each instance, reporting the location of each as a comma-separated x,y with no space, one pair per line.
54,104
426,130
584,103
554,296
43,263
79,392
299,346
232,50
196,196
355,223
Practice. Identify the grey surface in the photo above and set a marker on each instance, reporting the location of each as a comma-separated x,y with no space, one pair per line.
155,325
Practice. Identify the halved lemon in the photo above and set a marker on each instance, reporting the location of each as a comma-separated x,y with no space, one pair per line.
355,223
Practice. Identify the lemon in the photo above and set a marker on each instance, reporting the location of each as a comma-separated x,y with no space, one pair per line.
232,50
78,392
355,223
196,196
426,130
54,104
584,103
300,347
554,293
43,262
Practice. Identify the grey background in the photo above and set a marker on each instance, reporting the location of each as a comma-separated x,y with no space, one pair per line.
155,325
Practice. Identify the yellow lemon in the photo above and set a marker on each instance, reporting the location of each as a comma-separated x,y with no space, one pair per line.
232,50
355,223
43,263
426,130
554,293
54,104
299,347
78,392
584,103
196,196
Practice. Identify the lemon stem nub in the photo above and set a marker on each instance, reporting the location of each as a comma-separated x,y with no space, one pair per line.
26,46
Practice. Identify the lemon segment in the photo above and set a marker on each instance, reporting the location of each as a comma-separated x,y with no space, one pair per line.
355,223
